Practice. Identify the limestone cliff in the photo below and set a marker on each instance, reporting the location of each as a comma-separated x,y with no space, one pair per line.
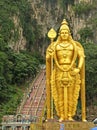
49,13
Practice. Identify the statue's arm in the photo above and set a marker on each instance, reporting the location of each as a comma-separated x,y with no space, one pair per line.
81,61
81,57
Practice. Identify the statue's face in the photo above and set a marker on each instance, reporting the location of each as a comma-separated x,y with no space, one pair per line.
64,34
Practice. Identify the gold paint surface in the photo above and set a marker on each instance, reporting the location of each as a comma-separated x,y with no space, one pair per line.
65,75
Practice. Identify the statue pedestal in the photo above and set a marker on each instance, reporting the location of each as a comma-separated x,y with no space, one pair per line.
68,126
53,125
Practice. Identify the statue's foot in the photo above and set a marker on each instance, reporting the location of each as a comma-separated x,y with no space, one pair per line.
70,119
84,120
61,119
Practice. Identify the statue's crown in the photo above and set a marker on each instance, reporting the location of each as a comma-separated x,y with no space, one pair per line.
64,25
64,22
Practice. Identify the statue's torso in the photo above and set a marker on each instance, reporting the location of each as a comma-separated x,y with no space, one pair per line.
64,53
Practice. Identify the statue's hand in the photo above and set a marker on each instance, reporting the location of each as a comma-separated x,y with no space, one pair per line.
51,52
75,71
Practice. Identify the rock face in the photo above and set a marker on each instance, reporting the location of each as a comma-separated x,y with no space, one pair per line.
47,14
82,15
50,13
20,44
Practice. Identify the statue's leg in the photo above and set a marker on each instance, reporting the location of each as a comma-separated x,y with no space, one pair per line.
75,99
61,103
70,101
60,94
76,93
65,103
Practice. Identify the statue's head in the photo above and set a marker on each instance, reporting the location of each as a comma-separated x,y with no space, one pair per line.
64,30
64,26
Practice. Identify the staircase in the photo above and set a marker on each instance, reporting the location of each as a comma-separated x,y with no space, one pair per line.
35,100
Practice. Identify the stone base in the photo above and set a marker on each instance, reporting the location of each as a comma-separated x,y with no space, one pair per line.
53,125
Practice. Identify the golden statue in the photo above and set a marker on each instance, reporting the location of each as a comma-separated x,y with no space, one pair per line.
65,74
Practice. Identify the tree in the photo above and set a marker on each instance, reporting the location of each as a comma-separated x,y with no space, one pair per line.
91,72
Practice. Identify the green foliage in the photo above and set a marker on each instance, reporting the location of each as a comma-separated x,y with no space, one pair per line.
13,95
64,3
25,66
9,30
16,68
3,89
93,21
7,10
91,71
82,8
86,33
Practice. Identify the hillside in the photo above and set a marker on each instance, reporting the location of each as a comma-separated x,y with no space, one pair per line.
23,41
